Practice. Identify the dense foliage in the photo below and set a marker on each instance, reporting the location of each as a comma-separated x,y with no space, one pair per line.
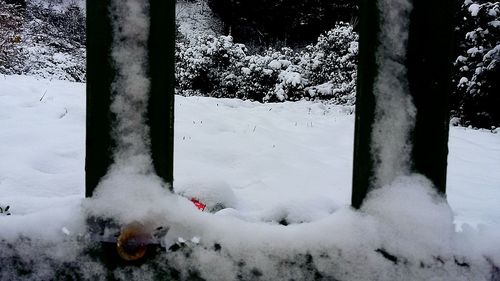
11,18
41,41
476,95
47,42
21,3
218,67
276,23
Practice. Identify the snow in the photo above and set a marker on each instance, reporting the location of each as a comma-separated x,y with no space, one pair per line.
246,146
493,12
474,9
473,51
42,152
130,181
131,85
266,163
394,109
215,195
275,64
463,80
407,198
246,70
276,176
469,166
290,77
493,52
495,23
58,5
196,19
353,47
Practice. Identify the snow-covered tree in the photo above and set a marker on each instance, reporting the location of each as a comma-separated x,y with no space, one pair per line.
21,3
476,96
43,41
11,19
276,23
218,67
203,67
331,64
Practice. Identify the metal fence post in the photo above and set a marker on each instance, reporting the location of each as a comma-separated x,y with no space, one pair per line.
363,168
429,60
100,75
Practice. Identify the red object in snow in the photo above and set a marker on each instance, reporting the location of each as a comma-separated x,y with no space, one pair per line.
198,204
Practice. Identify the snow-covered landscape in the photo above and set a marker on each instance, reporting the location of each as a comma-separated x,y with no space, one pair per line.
267,161
287,163
263,173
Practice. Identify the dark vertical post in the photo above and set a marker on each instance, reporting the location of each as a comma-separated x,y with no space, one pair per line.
365,101
429,57
161,102
429,74
100,75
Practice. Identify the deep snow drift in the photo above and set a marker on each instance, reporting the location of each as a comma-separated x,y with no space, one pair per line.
266,163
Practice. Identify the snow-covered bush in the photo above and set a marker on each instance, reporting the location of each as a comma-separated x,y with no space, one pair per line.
204,67
216,66
476,95
275,23
331,64
259,75
50,43
56,45
11,19
290,86
195,18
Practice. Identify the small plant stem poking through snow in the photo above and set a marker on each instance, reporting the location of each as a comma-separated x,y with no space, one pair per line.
394,109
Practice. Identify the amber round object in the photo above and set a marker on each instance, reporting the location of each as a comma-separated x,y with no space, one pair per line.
132,242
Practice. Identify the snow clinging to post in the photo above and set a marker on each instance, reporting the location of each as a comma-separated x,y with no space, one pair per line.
131,181
131,86
394,109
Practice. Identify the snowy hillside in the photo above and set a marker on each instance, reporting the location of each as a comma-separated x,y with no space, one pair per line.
268,164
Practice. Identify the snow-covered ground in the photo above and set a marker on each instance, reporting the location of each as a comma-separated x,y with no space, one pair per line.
267,163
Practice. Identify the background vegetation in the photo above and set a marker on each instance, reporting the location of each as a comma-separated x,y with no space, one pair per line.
277,50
